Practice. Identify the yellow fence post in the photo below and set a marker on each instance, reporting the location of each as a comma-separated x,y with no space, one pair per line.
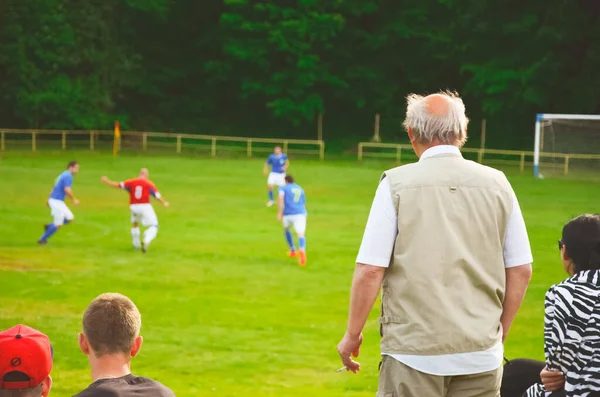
567,165
249,150
178,143
33,143
322,151
480,156
91,140
522,162
285,146
144,141
398,154
2,142
360,151
213,146
64,140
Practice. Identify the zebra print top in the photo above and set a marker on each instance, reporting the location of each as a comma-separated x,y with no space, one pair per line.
572,334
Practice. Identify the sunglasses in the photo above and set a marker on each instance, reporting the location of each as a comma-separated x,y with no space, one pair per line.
560,245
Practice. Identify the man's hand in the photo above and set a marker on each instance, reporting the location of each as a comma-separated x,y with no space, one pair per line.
350,346
104,179
75,201
553,380
165,203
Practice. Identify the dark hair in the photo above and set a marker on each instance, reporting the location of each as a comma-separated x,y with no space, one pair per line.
581,238
289,179
72,164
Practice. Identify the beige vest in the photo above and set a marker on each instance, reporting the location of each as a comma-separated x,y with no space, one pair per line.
443,291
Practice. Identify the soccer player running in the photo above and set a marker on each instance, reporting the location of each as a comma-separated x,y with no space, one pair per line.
279,163
292,211
140,189
58,208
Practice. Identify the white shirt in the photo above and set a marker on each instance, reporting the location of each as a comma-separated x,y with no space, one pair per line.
376,250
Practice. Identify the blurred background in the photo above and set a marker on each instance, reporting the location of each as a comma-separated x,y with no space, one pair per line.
270,68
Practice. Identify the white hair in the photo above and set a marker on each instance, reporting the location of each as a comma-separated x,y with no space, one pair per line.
448,129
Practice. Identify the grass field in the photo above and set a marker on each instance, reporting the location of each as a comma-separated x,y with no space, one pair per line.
225,312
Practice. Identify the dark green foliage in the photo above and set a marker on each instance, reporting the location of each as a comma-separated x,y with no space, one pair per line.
269,67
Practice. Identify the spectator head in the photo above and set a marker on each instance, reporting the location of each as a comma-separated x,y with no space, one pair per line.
580,244
277,150
289,179
25,363
437,119
73,167
111,327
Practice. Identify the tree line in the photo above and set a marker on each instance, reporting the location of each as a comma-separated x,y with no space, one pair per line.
268,68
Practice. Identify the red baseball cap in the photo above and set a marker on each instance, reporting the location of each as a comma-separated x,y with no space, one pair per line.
26,351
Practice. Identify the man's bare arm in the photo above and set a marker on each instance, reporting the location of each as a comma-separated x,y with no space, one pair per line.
279,206
366,284
69,193
162,201
517,281
110,183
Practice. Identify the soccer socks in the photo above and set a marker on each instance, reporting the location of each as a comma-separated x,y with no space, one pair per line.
271,196
49,232
150,234
135,234
302,243
290,240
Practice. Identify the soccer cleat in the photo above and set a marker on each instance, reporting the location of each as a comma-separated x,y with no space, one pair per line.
292,254
270,203
144,248
302,257
42,242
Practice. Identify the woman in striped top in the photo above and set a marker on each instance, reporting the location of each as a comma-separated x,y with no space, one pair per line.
572,316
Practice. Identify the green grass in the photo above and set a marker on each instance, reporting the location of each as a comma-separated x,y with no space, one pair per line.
225,312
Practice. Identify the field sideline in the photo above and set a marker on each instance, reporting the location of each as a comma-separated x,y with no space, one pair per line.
225,312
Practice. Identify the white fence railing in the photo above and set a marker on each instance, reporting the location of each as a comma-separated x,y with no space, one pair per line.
520,158
36,140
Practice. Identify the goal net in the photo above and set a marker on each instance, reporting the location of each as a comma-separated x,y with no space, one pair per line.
566,144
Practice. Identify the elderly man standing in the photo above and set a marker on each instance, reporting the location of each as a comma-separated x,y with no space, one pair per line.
447,243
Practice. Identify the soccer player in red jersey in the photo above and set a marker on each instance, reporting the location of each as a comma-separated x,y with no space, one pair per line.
140,189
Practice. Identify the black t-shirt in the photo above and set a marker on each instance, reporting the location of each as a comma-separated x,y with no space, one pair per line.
126,386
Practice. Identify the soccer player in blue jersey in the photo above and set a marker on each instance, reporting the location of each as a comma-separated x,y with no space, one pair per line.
58,208
292,211
279,163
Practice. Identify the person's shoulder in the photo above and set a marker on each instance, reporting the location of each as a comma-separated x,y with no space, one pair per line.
484,168
400,170
159,389
98,390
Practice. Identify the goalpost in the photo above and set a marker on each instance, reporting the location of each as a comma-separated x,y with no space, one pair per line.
561,139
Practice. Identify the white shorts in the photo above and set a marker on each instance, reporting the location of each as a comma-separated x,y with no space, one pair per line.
144,214
276,179
298,222
59,211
